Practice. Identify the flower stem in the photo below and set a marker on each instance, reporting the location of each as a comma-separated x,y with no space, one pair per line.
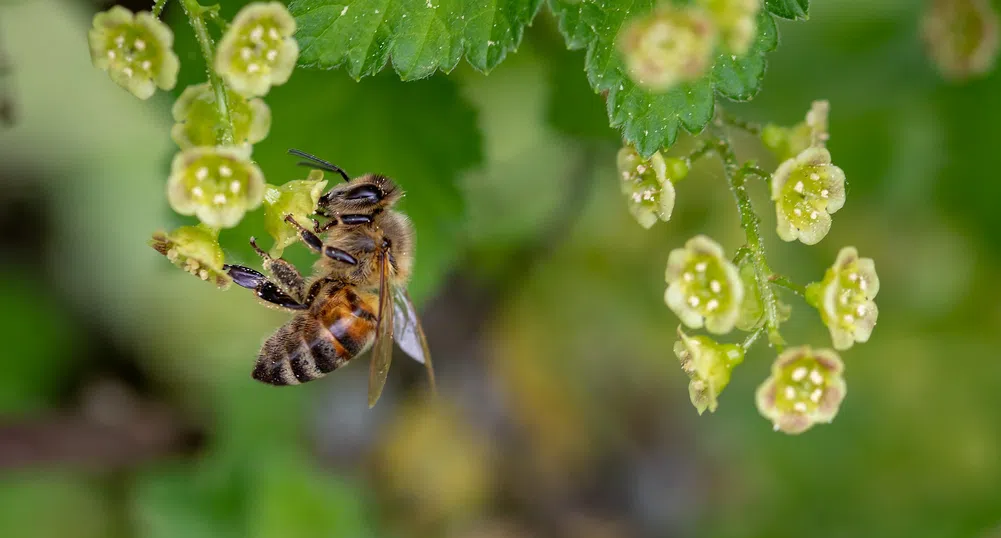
702,150
784,282
753,337
733,121
158,7
750,222
195,12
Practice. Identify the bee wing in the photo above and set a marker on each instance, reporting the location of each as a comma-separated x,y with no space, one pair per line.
382,350
408,333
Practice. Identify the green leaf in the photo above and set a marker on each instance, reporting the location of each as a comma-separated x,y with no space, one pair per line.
650,121
420,36
789,9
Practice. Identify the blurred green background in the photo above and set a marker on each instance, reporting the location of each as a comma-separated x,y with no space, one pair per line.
126,405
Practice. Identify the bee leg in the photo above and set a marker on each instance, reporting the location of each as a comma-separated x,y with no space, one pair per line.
288,278
313,241
265,289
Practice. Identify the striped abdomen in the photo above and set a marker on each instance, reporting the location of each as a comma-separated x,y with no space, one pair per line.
339,326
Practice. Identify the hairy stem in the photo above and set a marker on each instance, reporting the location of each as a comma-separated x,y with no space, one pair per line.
753,337
784,282
195,13
702,150
750,222
733,121
158,7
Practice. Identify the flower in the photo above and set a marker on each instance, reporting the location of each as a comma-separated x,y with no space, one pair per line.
668,46
736,22
196,250
845,298
648,184
217,184
297,198
708,364
135,50
806,190
199,124
787,142
258,50
806,387
961,37
703,286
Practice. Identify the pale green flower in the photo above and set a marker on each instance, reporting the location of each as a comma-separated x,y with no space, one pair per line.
668,46
135,50
806,190
196,250
708,364
258,51
845,298
199,123
217,184
648,184
703,286
806,387
297,198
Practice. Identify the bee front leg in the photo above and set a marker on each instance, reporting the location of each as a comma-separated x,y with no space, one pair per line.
287,276
265,289
313,241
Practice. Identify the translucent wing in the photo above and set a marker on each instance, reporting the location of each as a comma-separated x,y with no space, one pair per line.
382,350
409,334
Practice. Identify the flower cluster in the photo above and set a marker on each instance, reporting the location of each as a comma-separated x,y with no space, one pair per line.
648,184
217,122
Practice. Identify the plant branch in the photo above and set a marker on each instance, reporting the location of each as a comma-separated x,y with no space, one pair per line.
784,282
158,7
195,13
750,222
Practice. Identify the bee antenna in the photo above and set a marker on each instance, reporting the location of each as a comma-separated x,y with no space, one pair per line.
316,162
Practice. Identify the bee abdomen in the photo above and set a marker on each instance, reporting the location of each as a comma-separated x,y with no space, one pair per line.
287,359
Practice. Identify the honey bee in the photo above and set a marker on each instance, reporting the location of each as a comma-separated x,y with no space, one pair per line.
357,297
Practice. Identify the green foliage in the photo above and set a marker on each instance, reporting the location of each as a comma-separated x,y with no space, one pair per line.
789,9
421,36
651,121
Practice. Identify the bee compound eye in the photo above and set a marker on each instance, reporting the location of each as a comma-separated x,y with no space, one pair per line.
367,193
